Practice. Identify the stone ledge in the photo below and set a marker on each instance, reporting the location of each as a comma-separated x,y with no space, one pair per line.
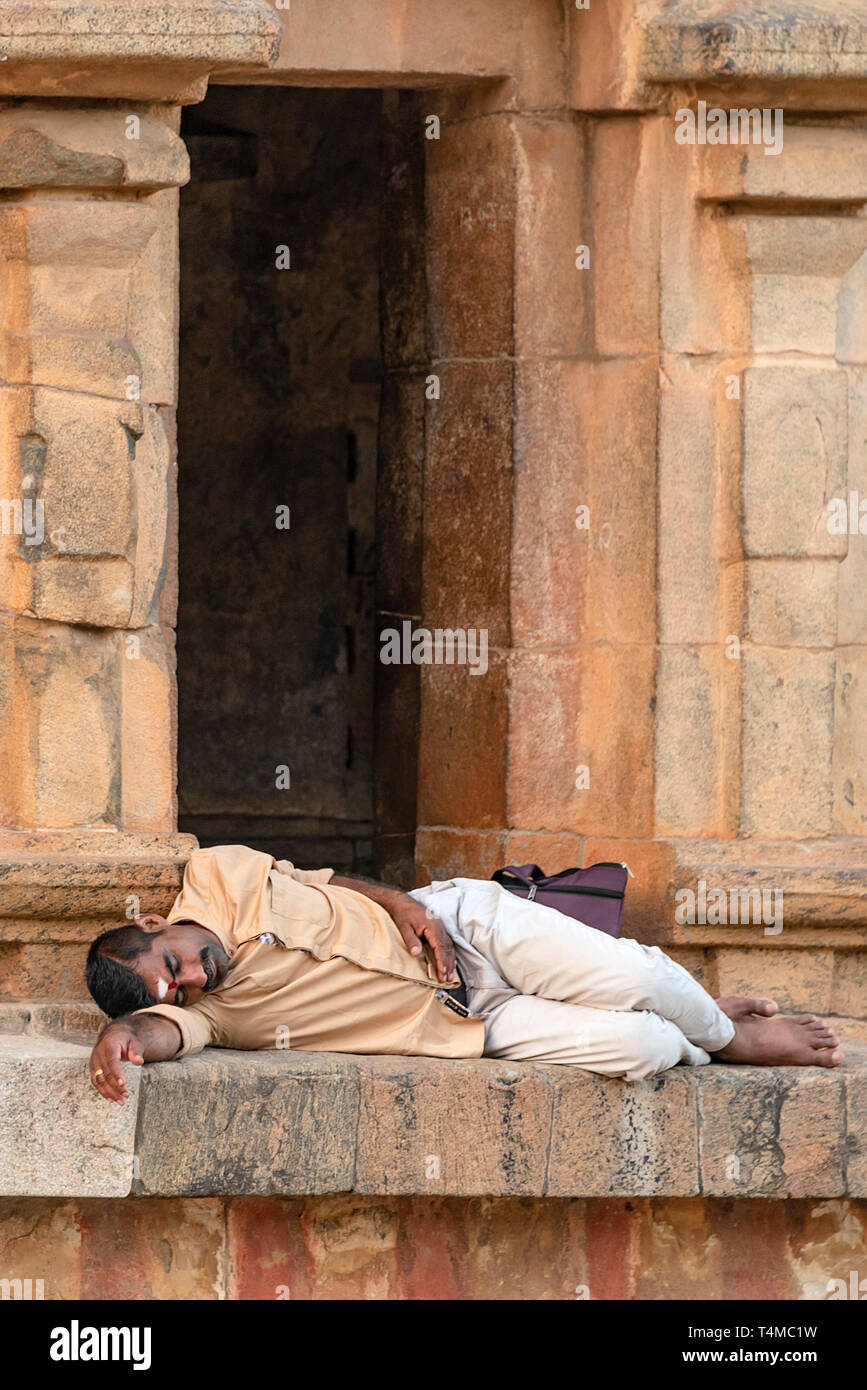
702,40
57,1137
286,1123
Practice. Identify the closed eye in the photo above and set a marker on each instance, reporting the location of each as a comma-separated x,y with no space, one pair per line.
173,966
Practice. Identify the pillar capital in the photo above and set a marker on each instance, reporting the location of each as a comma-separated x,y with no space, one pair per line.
630,54
158,50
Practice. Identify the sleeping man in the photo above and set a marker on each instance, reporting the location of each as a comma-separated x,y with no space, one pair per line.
258,954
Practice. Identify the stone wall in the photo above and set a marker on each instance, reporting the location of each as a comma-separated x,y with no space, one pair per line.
349,1247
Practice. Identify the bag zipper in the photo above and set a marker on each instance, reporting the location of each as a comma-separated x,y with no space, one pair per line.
556,888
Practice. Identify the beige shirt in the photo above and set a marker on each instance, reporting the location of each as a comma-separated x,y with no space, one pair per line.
336,977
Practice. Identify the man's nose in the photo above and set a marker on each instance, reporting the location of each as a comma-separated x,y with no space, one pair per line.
193,975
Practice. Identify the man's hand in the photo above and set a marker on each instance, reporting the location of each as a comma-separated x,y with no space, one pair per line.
116,1044
137,1038
416,924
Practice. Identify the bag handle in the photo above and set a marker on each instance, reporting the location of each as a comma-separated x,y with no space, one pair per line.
527,874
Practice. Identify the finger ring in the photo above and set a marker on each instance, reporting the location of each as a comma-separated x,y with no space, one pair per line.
97,1073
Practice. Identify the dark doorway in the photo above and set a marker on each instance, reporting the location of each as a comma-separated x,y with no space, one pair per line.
279,403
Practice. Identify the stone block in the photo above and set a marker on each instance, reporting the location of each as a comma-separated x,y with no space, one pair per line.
98,471
462,762
813,249
399,485
614,1138
791,604
402,247
625,175
561,707
148,734
154,304
794,313
45,146
92,1155
799,981
606,44
584,437
151,472
248,1122
72,590
91,296
471,197
819,164
852,581
698,502
770,1135
160,1250
552,852
408,1140
701,311
552,294
850,753
468,500
849,984
851,345
467,42
78,451
788,731
795,451
855,1094
63,685
442,854
697,730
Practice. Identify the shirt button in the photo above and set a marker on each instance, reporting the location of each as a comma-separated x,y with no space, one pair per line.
267,938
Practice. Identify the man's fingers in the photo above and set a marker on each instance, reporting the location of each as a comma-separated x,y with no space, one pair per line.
411,941
107,1086
443,950
133,1055
106,1071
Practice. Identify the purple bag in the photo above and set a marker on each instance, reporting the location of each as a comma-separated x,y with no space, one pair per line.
593,896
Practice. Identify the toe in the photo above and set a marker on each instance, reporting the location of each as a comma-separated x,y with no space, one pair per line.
829,1057
765,1007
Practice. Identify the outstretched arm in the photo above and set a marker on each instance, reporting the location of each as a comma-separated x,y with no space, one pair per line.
136,1038
414,922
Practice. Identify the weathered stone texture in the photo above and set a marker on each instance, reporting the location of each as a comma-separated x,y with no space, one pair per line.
283,1123
58,1134
349,1247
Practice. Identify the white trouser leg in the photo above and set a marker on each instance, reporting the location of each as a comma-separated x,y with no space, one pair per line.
520,945
630,1044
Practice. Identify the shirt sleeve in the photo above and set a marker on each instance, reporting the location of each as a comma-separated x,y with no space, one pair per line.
197,1029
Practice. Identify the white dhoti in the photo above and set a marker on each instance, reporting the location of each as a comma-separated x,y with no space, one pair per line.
553,990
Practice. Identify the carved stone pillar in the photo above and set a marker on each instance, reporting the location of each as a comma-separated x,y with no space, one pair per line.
90,165
755,306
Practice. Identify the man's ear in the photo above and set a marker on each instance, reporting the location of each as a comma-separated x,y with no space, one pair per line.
151,922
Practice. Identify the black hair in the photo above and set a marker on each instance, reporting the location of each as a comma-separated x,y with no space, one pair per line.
116,988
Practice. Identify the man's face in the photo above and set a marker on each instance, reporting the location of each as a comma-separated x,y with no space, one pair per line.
184,963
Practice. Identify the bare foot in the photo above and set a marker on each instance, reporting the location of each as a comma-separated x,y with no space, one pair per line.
762,1040
738,1006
